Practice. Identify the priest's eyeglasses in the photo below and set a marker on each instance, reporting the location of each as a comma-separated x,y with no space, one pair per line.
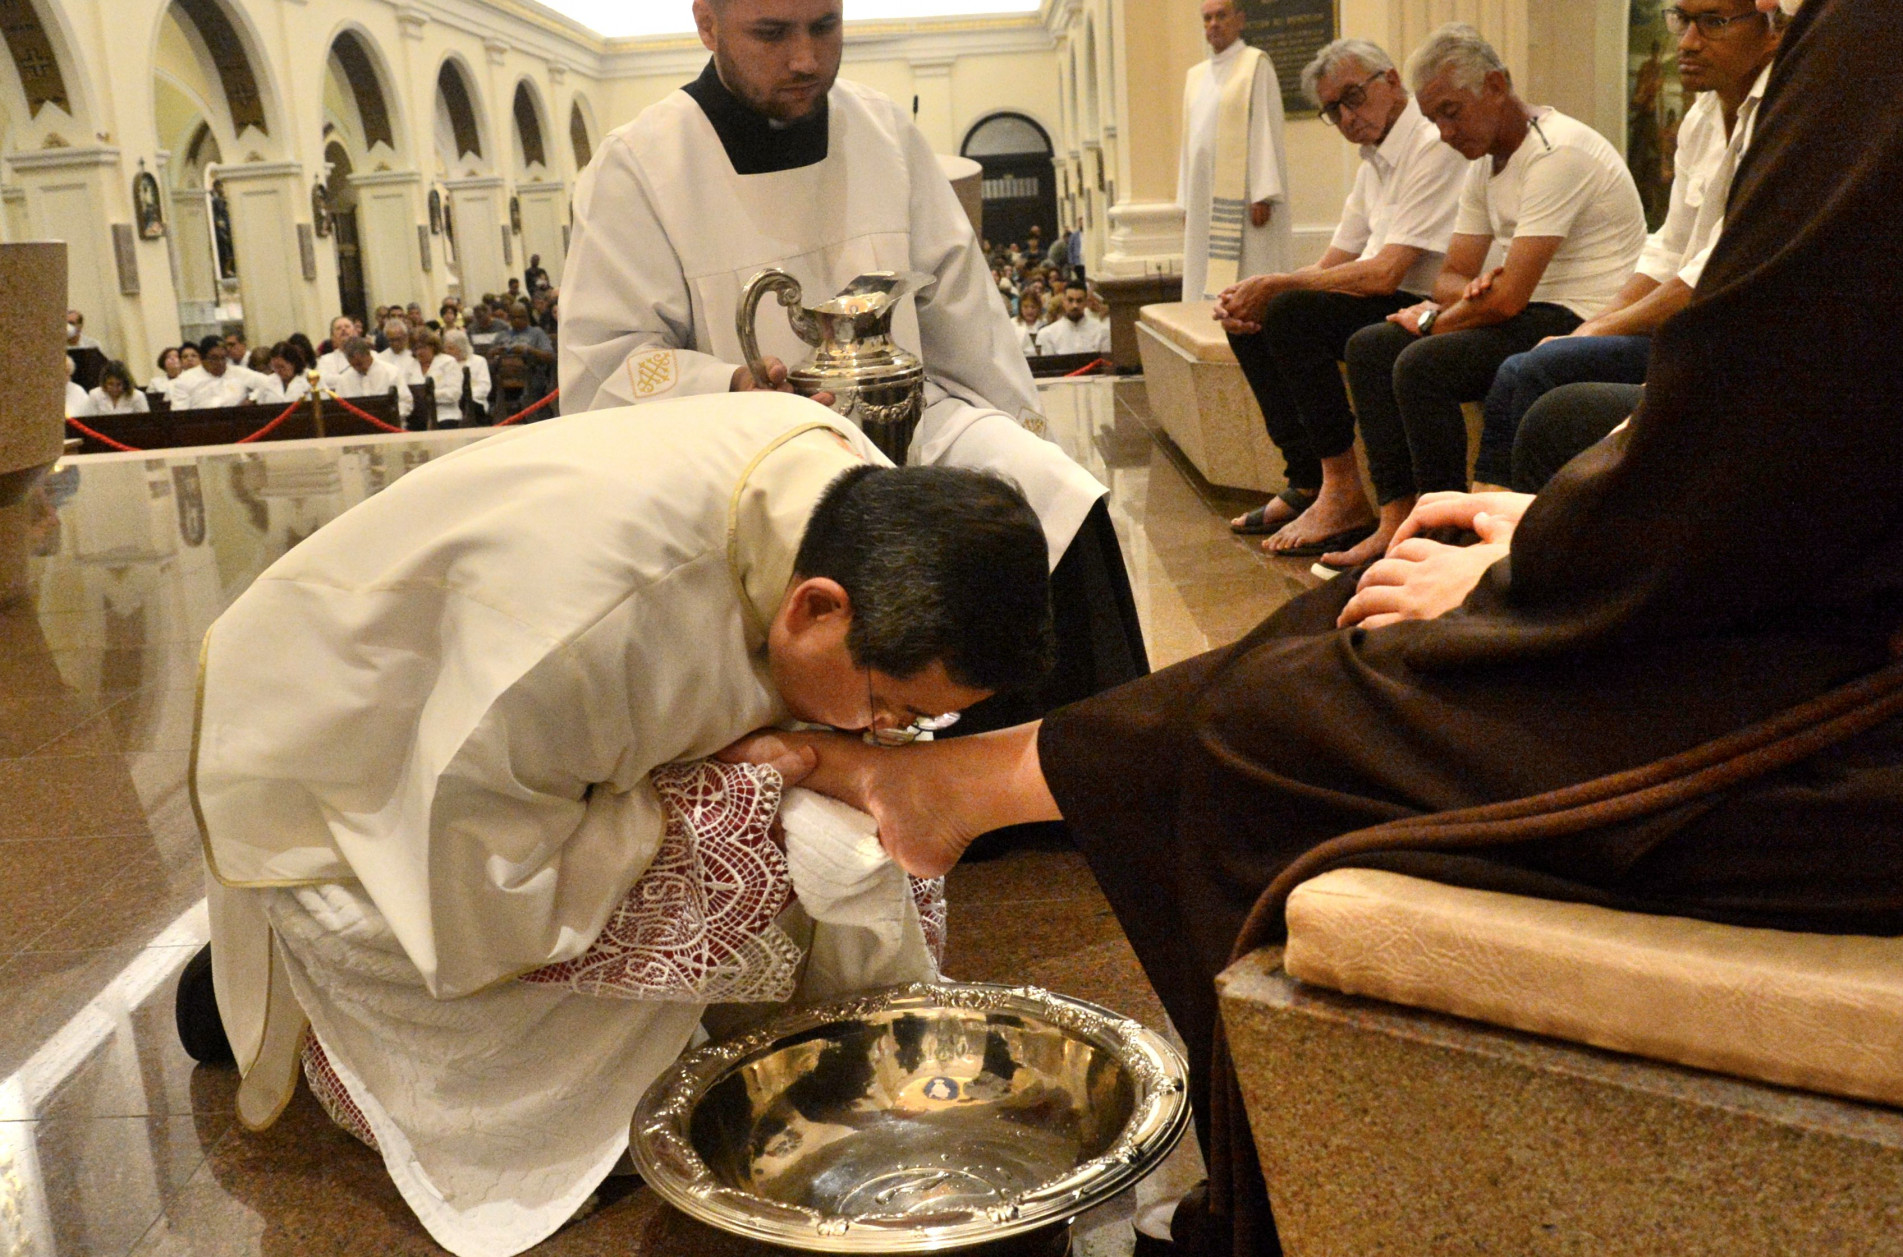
903,735
1710,25
1353,99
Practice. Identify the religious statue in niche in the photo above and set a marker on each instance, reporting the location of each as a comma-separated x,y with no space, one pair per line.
221,233
320,208
515,215
435,212
146,207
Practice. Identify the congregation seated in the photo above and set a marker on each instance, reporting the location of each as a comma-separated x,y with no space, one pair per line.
285,380
367,375
475,369
1074,329
215,381
75,393
171,364
331,361
1029,321
396,354
442,375
114,395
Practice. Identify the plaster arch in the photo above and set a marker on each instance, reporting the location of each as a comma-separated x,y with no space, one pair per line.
532,133
230,51
462,145
61,103
584,135
353,51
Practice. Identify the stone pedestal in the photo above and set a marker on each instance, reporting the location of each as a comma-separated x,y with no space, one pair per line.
1127,296
1384,1130
32,323
1200,398
968,181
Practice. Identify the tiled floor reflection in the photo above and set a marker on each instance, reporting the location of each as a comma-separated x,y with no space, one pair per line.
111,1142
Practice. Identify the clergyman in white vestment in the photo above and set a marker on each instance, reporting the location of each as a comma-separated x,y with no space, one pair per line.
768,159
1233,177
440,753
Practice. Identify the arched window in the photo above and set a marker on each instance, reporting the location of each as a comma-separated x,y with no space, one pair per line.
1020,184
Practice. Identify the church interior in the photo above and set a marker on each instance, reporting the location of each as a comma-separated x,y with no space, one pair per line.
1426,1068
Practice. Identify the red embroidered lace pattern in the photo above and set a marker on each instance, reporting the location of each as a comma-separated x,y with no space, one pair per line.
698,926
329,1090
928,896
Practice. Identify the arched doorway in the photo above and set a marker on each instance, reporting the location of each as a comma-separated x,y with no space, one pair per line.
342,201
1020,185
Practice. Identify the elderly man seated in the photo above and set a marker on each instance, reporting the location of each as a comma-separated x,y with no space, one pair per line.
1558,198
397,334
451,764
1290,331
367,375
215,381
1725,50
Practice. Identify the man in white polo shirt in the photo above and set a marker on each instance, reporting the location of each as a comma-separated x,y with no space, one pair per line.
1725,50
1558,198
1289,331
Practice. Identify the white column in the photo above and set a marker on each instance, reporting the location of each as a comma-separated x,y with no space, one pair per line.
482,214
265,200
387,214
190,229
544,209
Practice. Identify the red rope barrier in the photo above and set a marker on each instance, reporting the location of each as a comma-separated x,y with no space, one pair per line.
364,414
523,414
102,438
1087,368
261,433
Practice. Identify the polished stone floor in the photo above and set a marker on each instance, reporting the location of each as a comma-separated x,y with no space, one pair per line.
111,1141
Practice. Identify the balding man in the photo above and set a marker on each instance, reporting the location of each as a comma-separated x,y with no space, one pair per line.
1234,171
1290,330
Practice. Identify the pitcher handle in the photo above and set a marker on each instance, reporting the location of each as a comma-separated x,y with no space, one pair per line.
778,282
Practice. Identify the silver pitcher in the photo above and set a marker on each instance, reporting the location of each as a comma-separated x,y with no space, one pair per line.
874,382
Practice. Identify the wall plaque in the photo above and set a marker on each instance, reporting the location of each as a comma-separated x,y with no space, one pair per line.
307,250
508,248
422,243
125,252
1292,32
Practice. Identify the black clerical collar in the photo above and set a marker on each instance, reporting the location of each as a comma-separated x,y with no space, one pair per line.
755,145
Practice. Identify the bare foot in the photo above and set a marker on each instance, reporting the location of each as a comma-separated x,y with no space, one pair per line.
1336,511
1393,515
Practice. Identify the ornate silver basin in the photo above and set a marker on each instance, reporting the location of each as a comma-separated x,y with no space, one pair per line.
922,1118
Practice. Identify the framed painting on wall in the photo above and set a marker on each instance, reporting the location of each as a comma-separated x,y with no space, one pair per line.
1655,106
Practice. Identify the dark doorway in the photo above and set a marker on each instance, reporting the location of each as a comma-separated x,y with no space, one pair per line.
343,217
1020,182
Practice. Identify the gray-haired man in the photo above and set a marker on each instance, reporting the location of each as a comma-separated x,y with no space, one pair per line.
1290,330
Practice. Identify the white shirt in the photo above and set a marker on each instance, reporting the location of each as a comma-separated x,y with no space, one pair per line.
1564,180
161,384
667,236
75,401
1710,223
333,363
1088,335
270,390
97,403
1265,250
376,382
1027,337
1407,192
198,389
478,379
405,364
445,376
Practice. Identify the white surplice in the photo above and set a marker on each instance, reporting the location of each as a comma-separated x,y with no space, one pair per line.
1265,250
667,236
435,724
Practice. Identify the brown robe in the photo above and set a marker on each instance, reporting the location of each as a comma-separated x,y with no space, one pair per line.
1737,552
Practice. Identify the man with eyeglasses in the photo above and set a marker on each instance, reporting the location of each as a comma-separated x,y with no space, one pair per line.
1725,51
1558,199
449,741
1233,174
1290,330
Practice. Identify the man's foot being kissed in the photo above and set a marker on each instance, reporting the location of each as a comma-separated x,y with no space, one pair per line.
1393,515
930,800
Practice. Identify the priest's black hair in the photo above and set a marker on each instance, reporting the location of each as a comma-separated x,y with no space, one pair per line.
941,563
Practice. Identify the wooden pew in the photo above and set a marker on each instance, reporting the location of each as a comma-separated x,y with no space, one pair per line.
225,425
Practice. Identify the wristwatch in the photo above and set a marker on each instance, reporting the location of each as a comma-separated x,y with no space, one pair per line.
1426,322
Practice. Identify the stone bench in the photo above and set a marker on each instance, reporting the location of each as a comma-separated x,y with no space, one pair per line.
1199,397
1431,1069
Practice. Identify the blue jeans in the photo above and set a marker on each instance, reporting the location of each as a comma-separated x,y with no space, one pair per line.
1525,378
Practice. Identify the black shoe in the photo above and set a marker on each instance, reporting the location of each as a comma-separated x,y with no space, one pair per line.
200,1031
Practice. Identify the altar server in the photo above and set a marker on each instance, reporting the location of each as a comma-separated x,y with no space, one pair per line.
427,751
768,159
1233,175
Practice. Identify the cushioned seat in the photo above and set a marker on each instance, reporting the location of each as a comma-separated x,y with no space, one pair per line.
1820,1012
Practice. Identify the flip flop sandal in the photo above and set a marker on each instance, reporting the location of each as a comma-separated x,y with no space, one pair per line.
1252,525
1327,545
